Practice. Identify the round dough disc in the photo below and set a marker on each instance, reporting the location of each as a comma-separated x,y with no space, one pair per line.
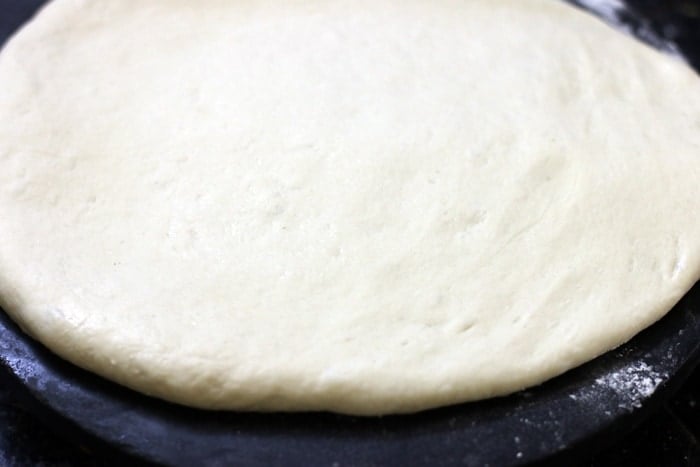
367,207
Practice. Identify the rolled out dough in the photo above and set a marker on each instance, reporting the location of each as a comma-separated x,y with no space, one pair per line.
358,206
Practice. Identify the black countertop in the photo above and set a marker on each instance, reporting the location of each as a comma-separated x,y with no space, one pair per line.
670,437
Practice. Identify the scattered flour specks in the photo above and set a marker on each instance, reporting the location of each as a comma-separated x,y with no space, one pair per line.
632,384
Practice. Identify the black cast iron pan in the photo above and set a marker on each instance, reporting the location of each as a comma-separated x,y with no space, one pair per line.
586,408
590,406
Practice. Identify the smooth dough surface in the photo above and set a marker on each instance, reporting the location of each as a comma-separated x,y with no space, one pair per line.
358,206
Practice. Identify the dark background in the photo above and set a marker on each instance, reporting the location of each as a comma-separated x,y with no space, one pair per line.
675,20
670,437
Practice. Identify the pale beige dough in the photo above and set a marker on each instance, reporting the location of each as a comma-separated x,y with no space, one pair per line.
359,206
